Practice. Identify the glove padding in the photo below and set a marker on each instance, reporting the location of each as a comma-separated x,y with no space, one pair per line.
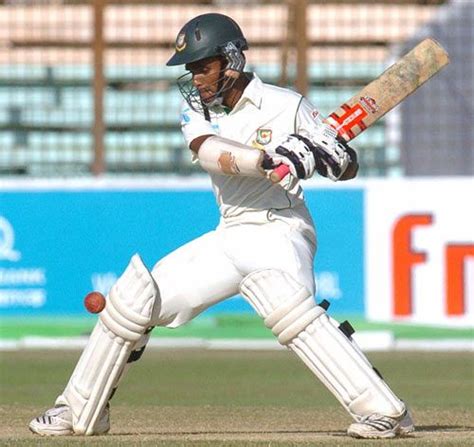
322,152
331,153
296,152
323,168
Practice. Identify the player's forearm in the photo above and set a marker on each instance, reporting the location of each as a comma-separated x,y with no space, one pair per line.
223,156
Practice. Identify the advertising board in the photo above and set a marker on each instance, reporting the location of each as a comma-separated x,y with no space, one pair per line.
60,240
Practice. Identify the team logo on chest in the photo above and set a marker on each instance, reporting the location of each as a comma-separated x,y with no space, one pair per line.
264,136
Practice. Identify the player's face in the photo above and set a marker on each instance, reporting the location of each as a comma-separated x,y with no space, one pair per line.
207,74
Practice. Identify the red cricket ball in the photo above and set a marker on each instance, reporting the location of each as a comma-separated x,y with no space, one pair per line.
94,302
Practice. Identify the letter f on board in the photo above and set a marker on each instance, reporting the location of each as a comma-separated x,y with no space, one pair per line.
404,258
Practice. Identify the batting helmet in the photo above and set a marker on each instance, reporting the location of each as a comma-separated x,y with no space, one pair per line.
210,35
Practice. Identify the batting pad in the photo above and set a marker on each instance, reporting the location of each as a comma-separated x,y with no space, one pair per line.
289,310
120,329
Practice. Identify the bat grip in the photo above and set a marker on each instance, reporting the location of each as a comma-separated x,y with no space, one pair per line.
279,173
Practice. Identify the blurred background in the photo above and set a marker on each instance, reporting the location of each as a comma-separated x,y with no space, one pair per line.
84,89
90,139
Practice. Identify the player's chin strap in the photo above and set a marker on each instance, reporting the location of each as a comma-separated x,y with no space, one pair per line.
118,339
289,310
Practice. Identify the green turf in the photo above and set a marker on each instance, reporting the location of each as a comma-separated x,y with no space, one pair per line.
218,398
221,326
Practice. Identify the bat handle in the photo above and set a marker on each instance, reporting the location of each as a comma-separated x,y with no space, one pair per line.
279,173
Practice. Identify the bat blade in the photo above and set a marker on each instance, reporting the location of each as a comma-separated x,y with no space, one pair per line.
383,93
389,89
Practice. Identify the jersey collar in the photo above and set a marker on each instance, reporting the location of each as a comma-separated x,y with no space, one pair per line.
253,93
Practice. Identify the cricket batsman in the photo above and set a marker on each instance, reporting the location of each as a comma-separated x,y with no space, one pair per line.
239,129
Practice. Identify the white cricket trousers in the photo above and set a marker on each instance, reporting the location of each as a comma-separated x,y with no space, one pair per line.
210,268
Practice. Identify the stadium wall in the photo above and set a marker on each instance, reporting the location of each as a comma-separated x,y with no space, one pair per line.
389,250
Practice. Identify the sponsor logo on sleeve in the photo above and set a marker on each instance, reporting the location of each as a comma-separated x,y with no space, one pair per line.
185,118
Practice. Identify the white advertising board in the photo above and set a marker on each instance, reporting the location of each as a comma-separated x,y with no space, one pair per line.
419,245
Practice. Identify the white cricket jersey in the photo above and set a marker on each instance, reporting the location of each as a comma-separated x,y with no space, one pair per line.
263,116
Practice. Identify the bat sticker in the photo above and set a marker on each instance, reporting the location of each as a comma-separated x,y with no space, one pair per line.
352,117
369,104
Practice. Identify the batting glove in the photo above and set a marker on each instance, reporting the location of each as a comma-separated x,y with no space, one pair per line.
296,152
330,153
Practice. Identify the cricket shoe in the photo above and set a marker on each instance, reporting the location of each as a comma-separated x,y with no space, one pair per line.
57,421
377,426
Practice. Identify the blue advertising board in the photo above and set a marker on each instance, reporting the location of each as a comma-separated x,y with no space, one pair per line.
56,245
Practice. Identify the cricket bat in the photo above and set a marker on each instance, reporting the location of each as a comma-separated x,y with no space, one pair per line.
383,93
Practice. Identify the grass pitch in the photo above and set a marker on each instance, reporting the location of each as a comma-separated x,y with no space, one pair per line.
217,398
